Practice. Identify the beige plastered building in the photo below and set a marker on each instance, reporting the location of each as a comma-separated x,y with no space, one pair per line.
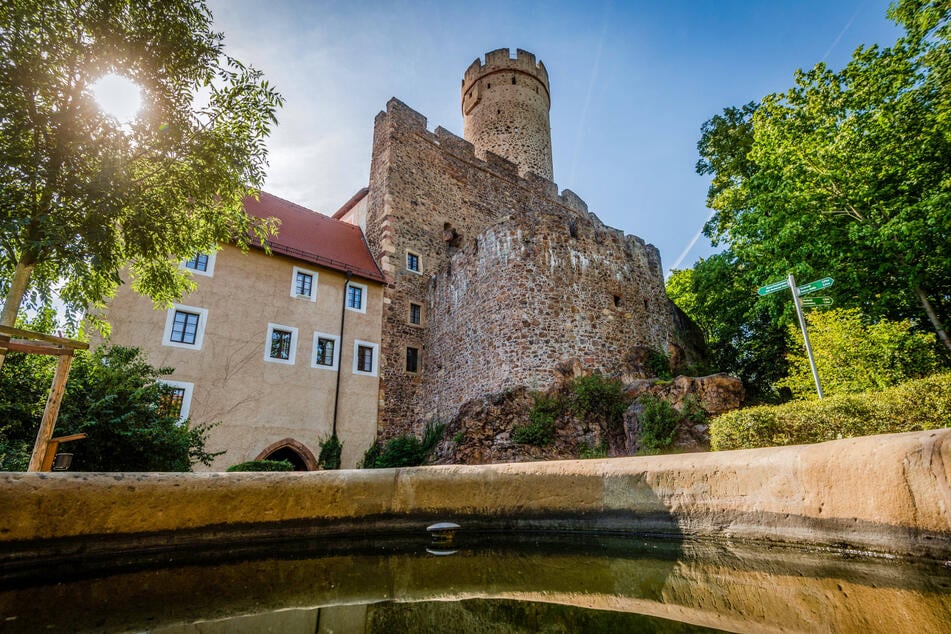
259,347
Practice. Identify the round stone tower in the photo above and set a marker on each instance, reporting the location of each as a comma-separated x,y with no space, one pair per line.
505,105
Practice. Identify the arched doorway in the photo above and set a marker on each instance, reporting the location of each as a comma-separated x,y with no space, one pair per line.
292,451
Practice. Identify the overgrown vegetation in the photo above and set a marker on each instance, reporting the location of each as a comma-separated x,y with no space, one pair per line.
659,364
404,451
912,406
113,396
854,356
586,452
262,465
540,430
849,170
598,397
330,450
659,422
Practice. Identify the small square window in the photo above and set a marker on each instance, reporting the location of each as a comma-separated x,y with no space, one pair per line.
415,314
365,358
198,263
281,344
172,401
412,360
304,284
177,399
184,327
324,351
412,262
356,297
202,264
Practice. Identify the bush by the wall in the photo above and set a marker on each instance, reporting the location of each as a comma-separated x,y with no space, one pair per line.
599,397
912,406
659,423
404,451
330,450
541,429
262,465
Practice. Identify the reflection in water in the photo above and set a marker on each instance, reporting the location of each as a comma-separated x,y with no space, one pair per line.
582,583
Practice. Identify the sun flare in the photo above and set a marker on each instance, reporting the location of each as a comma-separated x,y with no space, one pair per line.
118,96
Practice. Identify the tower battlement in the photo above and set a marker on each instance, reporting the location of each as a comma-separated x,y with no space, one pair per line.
499,61
505,105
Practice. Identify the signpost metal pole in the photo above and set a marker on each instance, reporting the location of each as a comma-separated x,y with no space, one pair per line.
805,333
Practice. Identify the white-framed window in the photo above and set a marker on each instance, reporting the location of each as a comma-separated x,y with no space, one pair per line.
326,353
356,297
414,262
412,360
185,327
304,284
202,264
280,346
178,402
365,358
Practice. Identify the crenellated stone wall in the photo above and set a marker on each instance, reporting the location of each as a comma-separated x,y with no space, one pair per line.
534,289
513,277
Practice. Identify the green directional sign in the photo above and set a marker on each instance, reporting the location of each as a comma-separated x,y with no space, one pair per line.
818,285
816,300
773,288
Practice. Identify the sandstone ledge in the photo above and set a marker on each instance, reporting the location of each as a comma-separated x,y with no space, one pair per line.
885,494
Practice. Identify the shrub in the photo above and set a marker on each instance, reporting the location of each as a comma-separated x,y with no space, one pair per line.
659,364
541,429
115,397
262,465
599,397
852,356
598,451
912,406
330,449
659,422
404,451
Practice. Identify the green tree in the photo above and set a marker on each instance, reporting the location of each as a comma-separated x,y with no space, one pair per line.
853,356
83,195
113,396
847,174
746,336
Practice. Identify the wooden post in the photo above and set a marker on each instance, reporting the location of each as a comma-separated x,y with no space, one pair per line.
53,447
45,432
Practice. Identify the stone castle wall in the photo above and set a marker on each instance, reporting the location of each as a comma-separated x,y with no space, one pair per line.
514,277
537,288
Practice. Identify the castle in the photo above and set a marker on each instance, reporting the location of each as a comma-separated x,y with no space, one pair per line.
458,272
493,277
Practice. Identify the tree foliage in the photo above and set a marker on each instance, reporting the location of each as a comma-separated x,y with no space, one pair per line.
848,174
852,356
113,396
83,195
747,337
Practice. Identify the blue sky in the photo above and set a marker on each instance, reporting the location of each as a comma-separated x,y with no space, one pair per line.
631,84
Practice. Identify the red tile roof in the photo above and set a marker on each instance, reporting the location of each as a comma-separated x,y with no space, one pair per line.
315,238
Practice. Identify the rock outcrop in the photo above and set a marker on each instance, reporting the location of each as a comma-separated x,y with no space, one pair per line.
481,433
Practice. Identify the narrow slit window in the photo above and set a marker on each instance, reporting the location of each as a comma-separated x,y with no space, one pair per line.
412,360
415,314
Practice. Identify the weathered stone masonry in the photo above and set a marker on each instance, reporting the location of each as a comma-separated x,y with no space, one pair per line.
513,276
